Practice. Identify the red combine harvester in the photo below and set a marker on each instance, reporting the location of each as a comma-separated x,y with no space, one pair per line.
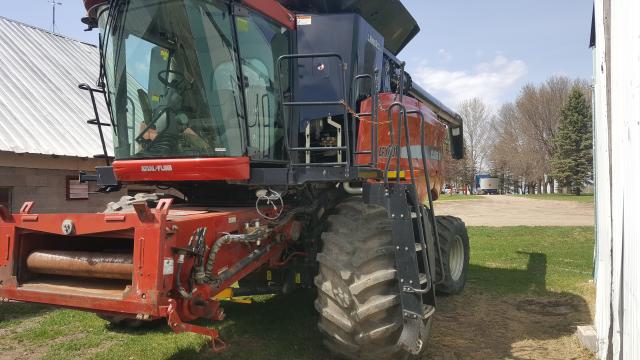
299,153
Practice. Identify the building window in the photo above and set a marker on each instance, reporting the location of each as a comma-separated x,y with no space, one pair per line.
5,197
77,190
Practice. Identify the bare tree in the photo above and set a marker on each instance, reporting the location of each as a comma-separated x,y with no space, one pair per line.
478,132
539,110
525,131
509,154
458,172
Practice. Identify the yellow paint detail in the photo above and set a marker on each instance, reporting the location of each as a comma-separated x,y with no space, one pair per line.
269,275
298,278
227,295
235,285
240,300
394,175
224,294
155,98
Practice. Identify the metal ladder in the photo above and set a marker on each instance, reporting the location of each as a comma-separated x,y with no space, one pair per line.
96,121
414,226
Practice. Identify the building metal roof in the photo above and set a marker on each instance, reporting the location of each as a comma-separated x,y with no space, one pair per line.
42,110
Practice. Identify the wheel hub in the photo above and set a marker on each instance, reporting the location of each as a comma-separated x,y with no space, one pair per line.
456,258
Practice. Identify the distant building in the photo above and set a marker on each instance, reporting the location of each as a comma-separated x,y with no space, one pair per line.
44,136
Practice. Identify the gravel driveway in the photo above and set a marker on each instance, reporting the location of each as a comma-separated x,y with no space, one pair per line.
504,210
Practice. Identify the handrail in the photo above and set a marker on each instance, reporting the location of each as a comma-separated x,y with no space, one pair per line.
339,102
97,121
427,179
373,93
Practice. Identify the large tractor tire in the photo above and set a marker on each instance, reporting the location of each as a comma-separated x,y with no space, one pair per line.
358,294
454,248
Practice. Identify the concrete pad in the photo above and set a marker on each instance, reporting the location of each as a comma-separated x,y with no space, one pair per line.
587,336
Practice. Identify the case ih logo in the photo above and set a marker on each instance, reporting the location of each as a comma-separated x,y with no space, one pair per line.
156,168
416,152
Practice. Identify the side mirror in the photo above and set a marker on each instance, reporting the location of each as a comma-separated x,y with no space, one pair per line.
456,142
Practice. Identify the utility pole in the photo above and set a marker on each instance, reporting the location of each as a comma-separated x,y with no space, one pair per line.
54,3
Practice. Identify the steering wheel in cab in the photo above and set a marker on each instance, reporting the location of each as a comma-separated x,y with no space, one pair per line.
179,83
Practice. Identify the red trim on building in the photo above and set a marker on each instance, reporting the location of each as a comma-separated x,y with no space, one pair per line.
207,169
273,10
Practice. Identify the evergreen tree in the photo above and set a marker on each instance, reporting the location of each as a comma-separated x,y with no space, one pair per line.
572,162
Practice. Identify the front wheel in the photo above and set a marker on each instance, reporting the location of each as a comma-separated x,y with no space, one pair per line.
454,249
358,293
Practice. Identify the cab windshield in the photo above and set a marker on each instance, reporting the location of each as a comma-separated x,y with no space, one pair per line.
173,77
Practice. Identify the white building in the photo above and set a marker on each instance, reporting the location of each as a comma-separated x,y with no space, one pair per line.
44,136
617,161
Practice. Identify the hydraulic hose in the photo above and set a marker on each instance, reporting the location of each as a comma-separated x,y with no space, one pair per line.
253,237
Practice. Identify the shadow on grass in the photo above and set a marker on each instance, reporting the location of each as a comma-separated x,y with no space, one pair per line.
508,313
15,312
504,313
283,327
513,281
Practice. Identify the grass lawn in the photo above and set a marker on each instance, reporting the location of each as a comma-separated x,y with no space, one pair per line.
447,197
514,262
585,198
531,260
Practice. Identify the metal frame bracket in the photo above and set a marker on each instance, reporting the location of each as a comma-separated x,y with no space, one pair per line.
178,326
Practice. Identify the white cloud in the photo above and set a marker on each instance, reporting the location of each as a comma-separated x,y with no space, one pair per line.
444,55
490,81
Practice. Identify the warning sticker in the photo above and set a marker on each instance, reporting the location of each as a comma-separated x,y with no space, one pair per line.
167,269
242,24
165,54
304,20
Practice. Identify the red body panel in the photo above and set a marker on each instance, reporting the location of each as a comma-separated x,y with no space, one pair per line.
434,131
270,8
152,237
204,169
92,6
274,10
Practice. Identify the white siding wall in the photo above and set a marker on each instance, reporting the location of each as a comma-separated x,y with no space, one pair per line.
603,187
617,125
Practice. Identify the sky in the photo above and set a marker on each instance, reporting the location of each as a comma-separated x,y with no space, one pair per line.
486,49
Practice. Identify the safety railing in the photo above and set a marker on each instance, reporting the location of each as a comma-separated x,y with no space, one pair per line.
372,115
97,121
396,151
294,152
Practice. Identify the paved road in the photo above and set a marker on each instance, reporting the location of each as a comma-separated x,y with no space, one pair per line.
501,210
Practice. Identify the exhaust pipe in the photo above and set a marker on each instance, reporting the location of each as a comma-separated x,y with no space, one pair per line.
350,189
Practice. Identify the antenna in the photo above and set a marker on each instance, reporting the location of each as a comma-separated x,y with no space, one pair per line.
54,3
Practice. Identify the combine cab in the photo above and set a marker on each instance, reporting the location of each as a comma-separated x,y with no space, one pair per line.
281,127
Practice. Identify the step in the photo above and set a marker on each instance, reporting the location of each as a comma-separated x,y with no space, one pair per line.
423,278
427,311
